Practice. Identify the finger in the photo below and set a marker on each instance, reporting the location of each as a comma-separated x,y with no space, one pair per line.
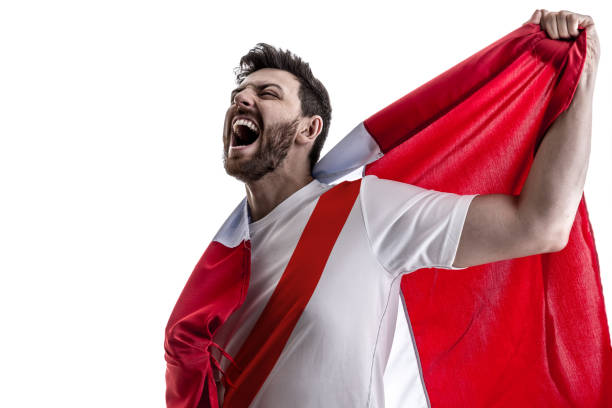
550,25
584,21
535,17
562,29
572,24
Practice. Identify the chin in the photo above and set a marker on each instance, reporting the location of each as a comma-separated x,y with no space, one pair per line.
245,172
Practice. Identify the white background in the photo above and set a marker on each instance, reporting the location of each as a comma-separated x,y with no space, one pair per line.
110,159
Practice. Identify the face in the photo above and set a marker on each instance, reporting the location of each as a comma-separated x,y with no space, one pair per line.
261,123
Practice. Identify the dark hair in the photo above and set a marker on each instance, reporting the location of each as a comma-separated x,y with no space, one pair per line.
314,98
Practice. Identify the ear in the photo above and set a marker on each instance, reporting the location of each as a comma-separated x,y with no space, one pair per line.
309,129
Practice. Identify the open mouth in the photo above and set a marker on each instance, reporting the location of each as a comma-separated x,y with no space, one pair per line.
244,132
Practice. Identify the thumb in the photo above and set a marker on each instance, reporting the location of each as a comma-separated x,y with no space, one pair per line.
535,17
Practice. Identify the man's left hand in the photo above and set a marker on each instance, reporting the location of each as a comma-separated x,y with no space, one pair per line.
563,25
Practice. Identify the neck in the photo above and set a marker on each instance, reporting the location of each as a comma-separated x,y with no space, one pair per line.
266,193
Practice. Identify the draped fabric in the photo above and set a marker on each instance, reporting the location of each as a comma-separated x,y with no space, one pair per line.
524,332
216,288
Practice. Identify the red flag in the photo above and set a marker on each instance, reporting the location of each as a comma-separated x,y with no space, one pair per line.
522,332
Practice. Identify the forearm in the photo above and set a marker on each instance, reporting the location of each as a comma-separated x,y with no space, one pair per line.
554,186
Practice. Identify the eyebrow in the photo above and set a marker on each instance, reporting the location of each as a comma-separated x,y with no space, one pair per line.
258,87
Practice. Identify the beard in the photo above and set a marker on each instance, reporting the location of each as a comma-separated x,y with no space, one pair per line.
272,150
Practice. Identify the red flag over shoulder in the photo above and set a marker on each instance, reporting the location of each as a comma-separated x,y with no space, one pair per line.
527,332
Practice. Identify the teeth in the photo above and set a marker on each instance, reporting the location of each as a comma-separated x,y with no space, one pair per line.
247,123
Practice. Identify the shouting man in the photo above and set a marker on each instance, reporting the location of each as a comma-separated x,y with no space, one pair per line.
314,325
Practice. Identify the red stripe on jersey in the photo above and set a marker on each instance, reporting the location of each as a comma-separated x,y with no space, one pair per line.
265,343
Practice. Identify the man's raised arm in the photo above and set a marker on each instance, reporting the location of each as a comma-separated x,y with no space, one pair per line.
499,226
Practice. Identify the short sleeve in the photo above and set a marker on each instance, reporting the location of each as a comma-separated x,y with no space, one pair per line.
410,227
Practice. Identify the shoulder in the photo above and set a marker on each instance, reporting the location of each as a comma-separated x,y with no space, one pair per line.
375,187
395,197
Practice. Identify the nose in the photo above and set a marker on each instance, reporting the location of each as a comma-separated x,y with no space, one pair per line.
244,98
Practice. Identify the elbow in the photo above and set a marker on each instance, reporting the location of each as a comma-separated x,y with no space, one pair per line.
557,239
558,245
547,237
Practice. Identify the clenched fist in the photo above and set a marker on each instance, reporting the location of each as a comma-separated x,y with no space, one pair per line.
564,25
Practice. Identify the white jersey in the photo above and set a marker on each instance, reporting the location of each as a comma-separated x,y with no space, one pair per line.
339,350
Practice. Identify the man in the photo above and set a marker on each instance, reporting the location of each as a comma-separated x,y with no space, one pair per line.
274,131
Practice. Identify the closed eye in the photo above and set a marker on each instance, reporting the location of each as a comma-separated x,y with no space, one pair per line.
233,98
